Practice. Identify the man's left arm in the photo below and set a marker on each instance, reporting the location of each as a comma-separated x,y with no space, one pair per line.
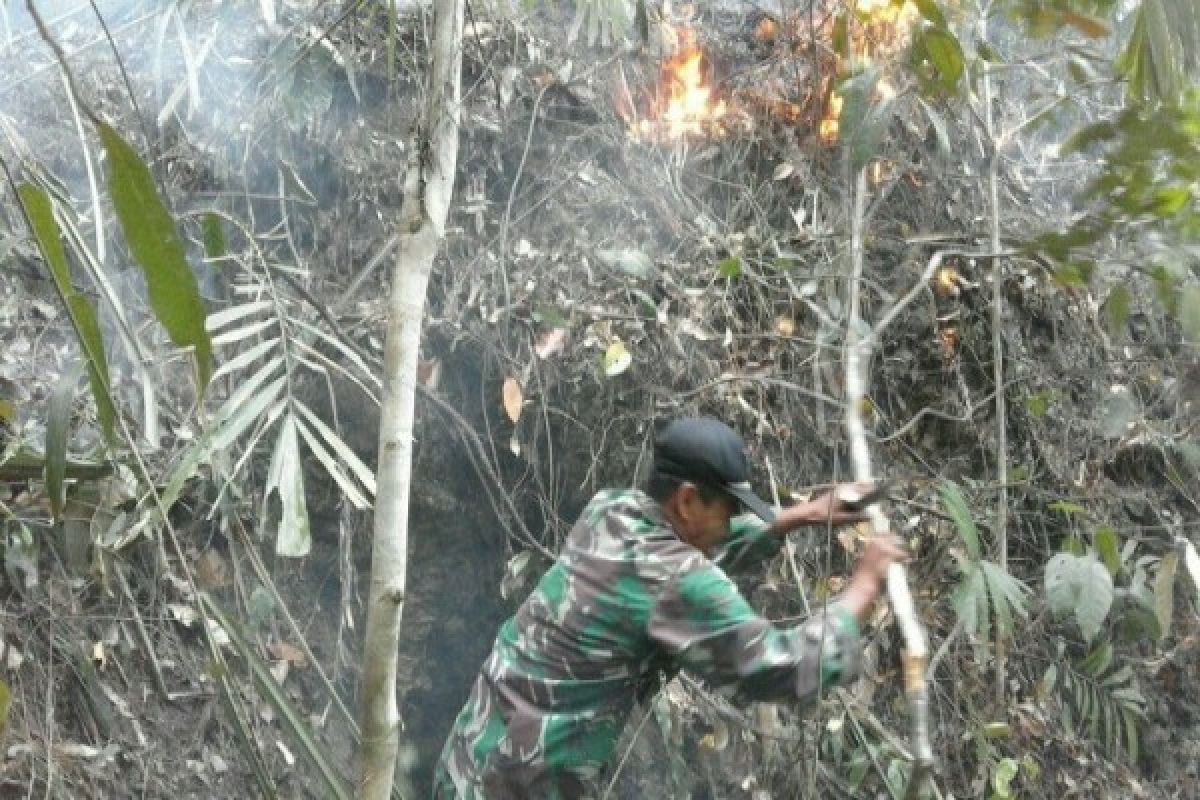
752,541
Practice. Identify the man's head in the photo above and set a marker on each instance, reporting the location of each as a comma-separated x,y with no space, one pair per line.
702,478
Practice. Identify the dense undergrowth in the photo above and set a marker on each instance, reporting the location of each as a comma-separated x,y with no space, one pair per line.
592,284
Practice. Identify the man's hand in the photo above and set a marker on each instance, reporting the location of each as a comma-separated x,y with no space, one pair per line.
867,582
828,508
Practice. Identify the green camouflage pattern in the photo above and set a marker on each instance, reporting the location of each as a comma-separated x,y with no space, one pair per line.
626,605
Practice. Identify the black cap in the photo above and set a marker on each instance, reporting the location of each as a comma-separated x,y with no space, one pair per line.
707,451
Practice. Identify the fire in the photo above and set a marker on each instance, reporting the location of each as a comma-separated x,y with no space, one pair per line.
828,130
685,105
886,11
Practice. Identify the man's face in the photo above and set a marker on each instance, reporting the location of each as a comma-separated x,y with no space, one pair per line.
705,523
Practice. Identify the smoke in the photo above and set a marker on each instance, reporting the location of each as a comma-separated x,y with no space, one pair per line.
225,100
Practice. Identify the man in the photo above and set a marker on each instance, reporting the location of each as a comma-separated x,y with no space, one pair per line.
639,591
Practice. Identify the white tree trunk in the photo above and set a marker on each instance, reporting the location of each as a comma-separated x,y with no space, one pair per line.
860,340
429,182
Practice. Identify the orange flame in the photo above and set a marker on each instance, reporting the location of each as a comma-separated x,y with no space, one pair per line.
828,129
685,105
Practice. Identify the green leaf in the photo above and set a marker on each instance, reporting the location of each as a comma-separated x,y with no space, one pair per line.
1116,309
863,121
260,608
864,142
1008,596
58,433
1080,586
730,267
930,11
1131,736
1039,403
956,506
856,92
1170,200
945,54
967,599
1002,777
1098,660
1066,507
550,317
940,131
214,236
997,730
342,450
1138,618
285,478
83,316
1108,547
1048,682
986,52
1189,311
839,38
158,250
240,412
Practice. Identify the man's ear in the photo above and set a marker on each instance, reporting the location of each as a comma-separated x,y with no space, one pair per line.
686,497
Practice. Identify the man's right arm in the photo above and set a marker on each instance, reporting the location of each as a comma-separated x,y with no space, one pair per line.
702,620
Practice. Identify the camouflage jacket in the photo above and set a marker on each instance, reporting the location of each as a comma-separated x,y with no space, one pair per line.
625,603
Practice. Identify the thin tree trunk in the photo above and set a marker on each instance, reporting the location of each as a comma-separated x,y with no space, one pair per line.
993,180
860,340
432,159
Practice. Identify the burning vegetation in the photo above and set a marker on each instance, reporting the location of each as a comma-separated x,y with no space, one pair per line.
684,102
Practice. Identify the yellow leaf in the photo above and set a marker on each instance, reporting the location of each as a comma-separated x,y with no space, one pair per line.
616,359
513,399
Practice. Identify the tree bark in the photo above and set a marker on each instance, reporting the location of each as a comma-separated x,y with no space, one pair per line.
429,183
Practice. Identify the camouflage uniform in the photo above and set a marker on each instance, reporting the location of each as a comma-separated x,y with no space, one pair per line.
625,603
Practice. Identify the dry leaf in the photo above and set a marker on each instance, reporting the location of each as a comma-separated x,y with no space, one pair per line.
785,326
283,651
212,572
513,399
429,372
550,343
185,615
